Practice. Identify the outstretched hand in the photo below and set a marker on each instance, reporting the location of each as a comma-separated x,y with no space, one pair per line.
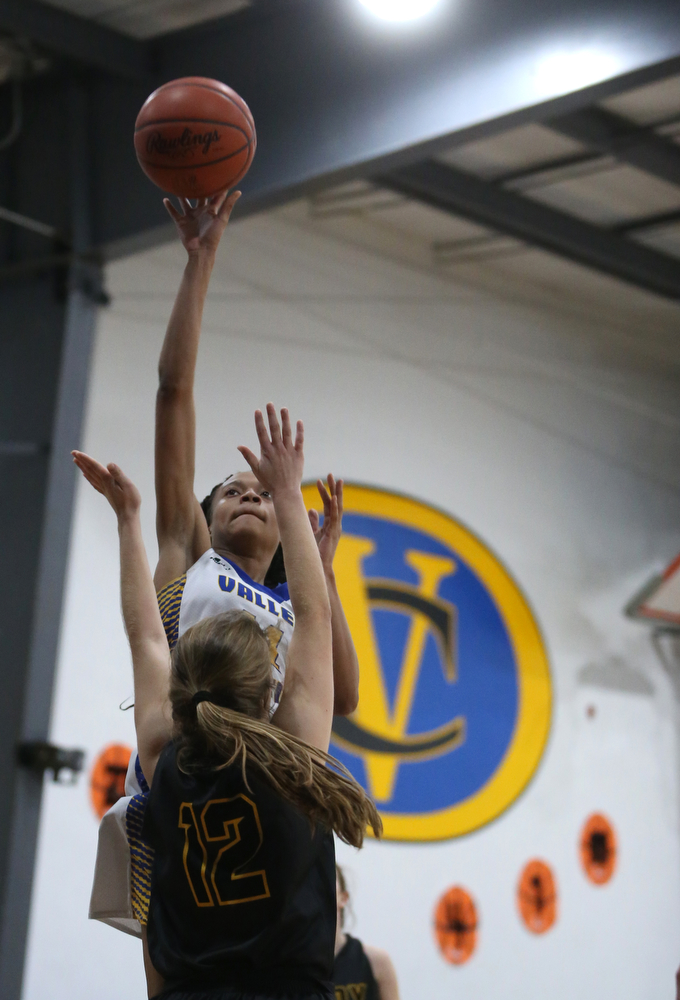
328,535
112,482
281,461
201,228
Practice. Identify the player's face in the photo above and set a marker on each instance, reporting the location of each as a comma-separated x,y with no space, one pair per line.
243,517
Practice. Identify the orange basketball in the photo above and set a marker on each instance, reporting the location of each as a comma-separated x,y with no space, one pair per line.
195,137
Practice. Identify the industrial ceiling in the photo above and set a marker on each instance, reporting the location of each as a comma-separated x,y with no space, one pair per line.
572,178
150,18
598,185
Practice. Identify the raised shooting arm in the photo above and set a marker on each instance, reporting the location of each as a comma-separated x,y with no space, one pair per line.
182,533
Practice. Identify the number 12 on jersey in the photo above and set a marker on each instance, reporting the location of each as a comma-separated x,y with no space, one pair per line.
218,848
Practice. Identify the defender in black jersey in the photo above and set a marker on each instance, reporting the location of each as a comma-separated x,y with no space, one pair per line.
359,972
240,883
352,973
241,811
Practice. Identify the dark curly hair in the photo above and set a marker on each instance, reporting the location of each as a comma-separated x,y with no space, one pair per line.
276,574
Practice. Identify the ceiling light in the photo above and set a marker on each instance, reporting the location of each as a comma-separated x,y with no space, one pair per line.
563,71
399,10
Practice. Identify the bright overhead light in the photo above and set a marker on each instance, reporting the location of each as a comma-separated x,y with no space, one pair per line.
563,71
399,10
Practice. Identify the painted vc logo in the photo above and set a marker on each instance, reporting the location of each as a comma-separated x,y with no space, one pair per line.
454,697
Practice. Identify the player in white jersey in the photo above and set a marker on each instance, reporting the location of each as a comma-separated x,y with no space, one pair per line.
237,520
214,585
231,537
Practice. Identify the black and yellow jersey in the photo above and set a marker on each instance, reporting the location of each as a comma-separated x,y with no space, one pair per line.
352,973
242,888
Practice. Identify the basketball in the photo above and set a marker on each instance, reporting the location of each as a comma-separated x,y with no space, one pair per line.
195,137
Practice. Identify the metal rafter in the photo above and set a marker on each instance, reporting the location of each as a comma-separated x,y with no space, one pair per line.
356,104
647,222
315,63
462,193
609,133
75,37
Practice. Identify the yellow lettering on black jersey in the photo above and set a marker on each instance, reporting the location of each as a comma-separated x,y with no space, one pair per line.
353,991
228,837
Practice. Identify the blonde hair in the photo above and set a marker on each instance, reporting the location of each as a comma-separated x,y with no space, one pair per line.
227,659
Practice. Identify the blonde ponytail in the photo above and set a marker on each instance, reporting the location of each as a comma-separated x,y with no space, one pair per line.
227,657
314,781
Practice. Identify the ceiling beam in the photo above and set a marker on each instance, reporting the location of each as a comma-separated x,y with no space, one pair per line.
609,133
334,94
336,97
463,194
64,34
656,221
546,166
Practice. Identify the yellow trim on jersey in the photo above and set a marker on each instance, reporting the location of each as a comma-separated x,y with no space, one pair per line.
169,605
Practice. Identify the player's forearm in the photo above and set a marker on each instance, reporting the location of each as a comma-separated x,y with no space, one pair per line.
177,362
175,417
345,661
138,597
304,571
306,708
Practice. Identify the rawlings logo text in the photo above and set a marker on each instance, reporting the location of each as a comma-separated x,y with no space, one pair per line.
182,144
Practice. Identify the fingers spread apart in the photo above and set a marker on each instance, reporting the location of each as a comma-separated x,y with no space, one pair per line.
261,430
172,211
95,473
250,457
275,441
274,428
225,205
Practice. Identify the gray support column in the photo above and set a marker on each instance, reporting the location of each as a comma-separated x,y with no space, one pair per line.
46,347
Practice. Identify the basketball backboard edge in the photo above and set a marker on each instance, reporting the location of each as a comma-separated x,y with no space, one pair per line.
658,602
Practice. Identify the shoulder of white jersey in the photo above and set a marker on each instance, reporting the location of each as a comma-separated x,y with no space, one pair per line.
208,556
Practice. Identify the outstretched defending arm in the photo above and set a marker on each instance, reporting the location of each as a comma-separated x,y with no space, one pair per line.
148,644
183,535
306,708
345,661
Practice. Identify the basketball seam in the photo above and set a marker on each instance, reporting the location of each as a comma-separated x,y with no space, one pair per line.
213,90
191,166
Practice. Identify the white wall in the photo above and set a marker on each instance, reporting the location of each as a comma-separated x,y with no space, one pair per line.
557,443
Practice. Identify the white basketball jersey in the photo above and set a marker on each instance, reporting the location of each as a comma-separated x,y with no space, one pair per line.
214,585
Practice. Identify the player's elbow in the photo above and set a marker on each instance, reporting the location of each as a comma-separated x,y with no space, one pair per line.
171,389
346,697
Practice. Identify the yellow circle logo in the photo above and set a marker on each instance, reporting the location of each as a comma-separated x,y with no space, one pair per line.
455,694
